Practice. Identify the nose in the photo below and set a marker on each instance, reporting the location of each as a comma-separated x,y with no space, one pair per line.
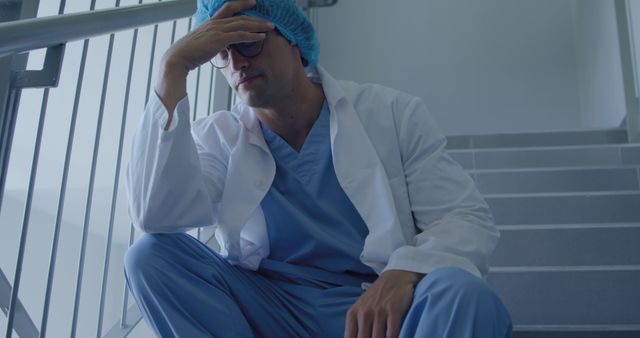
236,60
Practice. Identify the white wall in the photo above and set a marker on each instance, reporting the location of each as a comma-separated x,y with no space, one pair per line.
482,66
600,84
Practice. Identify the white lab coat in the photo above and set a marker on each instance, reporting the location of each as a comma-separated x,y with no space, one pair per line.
422,209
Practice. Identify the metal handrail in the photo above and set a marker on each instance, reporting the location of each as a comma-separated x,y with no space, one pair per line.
29,34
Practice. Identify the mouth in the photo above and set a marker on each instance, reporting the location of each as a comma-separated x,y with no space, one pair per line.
247,80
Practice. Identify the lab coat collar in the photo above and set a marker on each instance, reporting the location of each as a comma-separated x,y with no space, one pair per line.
333,92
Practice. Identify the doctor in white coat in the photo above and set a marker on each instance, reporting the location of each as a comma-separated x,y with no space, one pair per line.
337,210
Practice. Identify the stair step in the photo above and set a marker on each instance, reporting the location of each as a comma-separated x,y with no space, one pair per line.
570,297
545,157
557,208
465,159
567,180
605,245
553,138
568,332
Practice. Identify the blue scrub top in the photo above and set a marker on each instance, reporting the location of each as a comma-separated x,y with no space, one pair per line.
310,220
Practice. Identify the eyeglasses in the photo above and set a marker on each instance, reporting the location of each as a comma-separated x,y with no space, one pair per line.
247,49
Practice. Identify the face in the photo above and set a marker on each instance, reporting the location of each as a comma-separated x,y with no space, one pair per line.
263,80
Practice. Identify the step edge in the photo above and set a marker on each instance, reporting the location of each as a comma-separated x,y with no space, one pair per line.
554,131
565,194
578,327
545,148
574,226
563,268
560,168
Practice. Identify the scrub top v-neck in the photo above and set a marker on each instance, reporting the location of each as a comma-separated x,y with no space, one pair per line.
310,220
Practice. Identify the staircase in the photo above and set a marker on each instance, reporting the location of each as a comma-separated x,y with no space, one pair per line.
568,208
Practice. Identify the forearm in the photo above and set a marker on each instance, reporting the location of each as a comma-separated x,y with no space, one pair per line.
171,86
165,183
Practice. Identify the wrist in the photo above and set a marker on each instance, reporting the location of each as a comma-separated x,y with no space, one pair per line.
171,67
407,276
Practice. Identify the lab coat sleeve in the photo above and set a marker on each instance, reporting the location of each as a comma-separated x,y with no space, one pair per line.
455,226
174,182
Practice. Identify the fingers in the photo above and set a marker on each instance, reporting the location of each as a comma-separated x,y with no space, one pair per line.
394,323
237,29
379,326
244,23
241,37
231,8
365,321
369,323
351,326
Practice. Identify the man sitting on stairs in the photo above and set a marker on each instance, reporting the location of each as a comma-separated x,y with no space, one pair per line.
337,210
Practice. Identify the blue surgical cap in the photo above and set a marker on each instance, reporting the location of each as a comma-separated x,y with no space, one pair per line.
284,14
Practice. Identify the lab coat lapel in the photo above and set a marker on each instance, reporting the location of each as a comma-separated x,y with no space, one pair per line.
251,170
362,176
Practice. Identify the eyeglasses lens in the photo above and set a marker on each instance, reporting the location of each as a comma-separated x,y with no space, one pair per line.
248,49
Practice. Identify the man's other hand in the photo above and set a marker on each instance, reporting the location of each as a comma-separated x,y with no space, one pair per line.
380,310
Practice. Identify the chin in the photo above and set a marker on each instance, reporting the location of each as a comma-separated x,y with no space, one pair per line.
254,101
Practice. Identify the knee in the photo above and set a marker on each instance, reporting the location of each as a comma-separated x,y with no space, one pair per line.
148,254
457,303
153,255
457,286
140,254
454,281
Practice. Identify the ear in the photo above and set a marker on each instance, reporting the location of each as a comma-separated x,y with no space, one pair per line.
299,56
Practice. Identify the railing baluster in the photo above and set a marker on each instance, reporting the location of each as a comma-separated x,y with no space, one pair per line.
125,297
195,101
54,250
123,317
173,31
210,91
92,176
114,195
13,100
65,173
195,111
153,53
26,216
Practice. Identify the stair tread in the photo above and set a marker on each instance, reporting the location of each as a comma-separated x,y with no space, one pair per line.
547,148
553,169
565,194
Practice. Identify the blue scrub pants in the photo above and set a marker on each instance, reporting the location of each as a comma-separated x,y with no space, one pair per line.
185,289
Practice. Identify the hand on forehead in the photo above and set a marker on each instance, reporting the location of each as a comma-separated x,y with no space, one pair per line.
289,19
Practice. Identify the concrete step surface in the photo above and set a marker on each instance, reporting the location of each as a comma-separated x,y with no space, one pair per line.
579,332
548,157
565,208
567,204
570,295
536,139
577,245
557,180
